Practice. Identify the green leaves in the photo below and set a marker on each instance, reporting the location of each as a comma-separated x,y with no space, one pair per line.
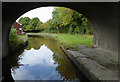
70,21
13,36
30,24
64,20
24,21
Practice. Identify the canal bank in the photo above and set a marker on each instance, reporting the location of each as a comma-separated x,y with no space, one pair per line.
95,64
41,59
22,41
103,69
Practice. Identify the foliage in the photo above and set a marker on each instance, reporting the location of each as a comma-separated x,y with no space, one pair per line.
66,20
24,21
30,24
45,25
13,36
13,39
71,29
16,40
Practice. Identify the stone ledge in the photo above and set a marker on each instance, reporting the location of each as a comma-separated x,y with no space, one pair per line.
90,68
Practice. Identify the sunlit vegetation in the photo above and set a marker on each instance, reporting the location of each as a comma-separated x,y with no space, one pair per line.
13,36
72,41
64,20
69,21
15,40
70,28
30,24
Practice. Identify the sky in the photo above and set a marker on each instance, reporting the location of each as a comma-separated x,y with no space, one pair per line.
43,13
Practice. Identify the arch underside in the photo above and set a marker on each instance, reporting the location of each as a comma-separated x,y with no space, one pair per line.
103,17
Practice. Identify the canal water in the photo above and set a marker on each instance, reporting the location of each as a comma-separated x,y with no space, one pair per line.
42,59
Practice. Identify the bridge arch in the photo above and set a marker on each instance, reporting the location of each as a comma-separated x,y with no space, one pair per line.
102,15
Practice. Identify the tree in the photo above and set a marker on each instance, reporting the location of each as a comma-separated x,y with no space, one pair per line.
34,23
67,20
30,24
24,21
29,28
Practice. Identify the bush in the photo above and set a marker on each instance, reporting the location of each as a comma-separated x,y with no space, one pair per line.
13,36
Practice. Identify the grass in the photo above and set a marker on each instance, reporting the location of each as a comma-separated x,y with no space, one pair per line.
71,41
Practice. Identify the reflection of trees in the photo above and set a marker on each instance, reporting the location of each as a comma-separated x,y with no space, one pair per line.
37,41
15,59
34,42
64,68
12,63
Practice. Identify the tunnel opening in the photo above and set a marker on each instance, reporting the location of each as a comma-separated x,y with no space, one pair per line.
76,24
22,27
88,9
97,22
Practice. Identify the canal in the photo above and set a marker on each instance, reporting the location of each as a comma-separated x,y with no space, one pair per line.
41,59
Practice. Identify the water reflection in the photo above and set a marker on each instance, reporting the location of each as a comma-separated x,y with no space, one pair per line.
38,57
43,59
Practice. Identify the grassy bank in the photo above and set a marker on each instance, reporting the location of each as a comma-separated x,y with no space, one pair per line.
71,41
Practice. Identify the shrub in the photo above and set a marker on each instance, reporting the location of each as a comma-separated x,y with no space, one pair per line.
13,36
